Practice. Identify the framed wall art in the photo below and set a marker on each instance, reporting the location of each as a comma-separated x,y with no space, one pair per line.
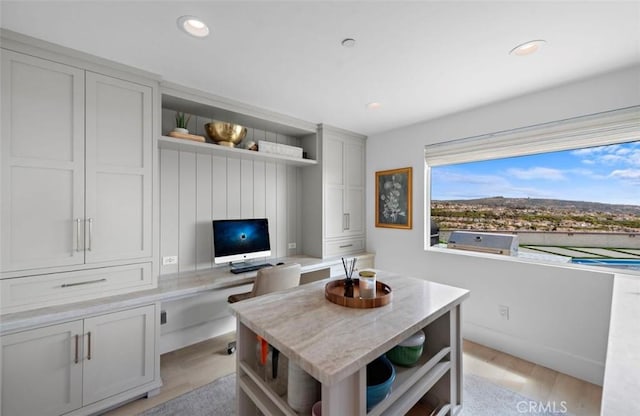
394,198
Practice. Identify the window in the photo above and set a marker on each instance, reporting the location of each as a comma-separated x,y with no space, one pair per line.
570,190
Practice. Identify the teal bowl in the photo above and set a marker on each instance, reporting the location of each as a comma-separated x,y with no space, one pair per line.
380,377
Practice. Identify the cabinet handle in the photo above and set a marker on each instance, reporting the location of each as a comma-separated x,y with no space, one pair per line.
344,222
76,359
88,282
90,234
346,245
77,234
348,221
89,345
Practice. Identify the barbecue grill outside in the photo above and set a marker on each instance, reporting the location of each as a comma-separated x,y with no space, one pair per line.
505,244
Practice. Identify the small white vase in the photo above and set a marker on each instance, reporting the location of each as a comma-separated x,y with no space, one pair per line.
181,130
303,390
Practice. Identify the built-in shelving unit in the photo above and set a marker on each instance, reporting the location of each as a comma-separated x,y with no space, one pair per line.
166,142
261,125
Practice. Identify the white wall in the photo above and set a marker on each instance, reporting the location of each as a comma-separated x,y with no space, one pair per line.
559,317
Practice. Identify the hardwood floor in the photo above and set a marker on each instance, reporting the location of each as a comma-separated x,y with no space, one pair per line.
186,369
531,380
194,366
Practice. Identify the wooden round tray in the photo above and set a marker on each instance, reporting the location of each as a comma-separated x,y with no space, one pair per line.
334,291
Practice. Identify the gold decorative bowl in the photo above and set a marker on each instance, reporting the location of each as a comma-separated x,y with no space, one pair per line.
225,134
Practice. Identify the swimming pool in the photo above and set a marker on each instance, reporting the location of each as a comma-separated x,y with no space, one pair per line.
628,264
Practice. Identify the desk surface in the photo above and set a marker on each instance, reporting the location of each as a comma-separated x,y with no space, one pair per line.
170,287
331,342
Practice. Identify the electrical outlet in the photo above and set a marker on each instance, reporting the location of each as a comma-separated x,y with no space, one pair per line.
169,260
292,245
504,312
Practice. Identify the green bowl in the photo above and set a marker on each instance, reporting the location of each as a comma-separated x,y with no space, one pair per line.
405,356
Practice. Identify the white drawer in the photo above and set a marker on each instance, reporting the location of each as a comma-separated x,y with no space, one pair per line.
24,293
336,248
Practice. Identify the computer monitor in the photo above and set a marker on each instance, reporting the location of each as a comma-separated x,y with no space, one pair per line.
237,240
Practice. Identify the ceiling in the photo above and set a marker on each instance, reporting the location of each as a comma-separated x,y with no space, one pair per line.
420,60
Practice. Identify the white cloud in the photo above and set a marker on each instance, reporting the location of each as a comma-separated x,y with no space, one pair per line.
617,154
537,173
628,175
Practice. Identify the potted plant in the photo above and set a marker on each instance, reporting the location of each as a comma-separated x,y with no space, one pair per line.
182,122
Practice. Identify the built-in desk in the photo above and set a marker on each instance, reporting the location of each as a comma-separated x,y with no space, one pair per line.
82,358
170,287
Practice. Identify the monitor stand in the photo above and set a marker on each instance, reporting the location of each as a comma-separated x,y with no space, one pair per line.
245,267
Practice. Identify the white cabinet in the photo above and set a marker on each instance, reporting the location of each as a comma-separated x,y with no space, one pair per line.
343,159
61,368
76,166
120,353
42,163
337,186
40,375
118,169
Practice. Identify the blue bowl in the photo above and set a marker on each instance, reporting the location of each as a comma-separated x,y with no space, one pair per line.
380,376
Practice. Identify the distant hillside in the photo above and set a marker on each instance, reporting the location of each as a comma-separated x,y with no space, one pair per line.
512,214
550,204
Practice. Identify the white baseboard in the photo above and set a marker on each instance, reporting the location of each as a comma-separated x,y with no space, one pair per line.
187,336
561,361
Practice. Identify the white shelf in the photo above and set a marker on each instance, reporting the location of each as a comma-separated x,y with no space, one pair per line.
414,392
265,397
182,145
413,380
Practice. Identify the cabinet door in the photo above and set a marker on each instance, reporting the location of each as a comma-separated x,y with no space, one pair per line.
42,163
119,352
333,164
354,186
42,371
344,186
119,148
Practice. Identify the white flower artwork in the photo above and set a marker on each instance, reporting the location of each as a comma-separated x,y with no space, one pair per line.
393,204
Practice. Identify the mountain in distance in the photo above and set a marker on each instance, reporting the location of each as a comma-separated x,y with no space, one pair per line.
546,204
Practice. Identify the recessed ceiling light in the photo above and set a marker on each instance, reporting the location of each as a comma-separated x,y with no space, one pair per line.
527,48
348,43
193,26
374,105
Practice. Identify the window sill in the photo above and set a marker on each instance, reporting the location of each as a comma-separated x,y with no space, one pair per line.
542,260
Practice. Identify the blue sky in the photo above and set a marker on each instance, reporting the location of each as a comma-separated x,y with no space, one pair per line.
609,174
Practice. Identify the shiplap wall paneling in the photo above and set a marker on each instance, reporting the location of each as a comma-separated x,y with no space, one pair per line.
282,211
259,191
246,189
204,211
197,188
233,189
169,208
187,212
219,188
293,192
271,206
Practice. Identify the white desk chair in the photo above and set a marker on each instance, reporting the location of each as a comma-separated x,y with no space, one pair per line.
269,279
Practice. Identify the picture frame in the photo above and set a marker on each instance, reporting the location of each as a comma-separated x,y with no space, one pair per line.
394,198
